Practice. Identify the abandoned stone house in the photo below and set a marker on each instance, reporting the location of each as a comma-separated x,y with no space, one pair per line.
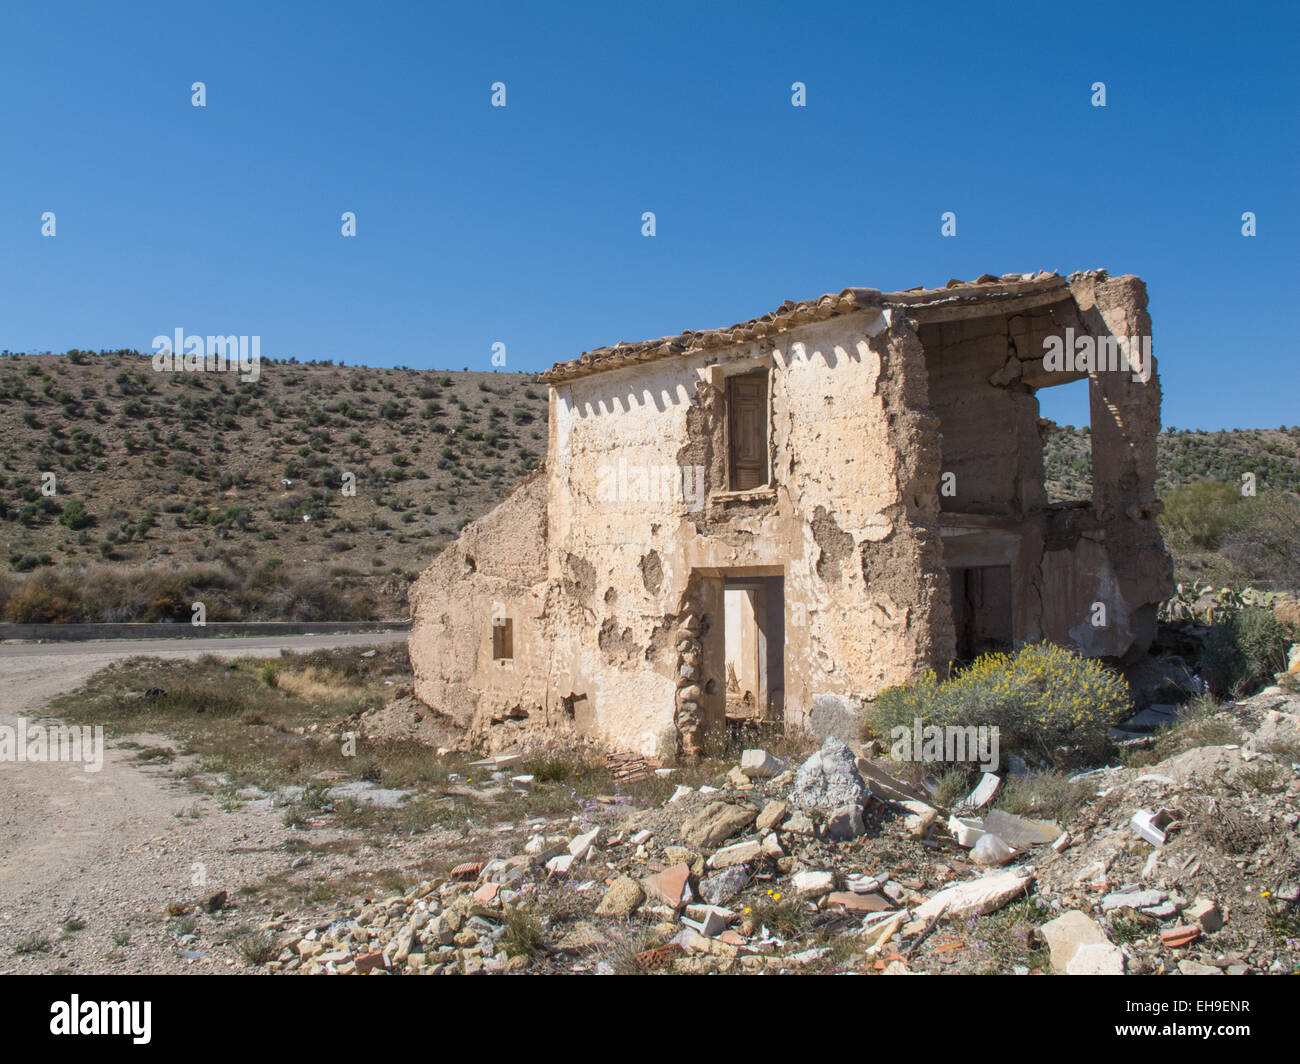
782,518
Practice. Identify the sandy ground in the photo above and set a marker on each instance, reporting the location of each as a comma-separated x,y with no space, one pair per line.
113,848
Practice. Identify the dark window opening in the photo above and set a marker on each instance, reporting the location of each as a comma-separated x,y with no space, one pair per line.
747,457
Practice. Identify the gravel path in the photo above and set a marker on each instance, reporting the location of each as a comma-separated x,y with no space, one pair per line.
113,848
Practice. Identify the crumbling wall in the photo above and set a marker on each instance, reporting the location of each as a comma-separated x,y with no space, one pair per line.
612,564
981,416
495,570
1066,561
849,521
1137,572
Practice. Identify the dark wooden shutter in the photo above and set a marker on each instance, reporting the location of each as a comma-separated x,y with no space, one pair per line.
747,430
503,640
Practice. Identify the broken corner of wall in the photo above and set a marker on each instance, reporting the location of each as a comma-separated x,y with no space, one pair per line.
1111,579
479,648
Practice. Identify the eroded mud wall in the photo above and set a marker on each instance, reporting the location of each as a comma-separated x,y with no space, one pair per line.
495,571
849,522
1066,561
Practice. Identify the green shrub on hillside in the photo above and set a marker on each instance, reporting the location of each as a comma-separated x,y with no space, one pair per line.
1266,548
75,516
1201,514
1244,650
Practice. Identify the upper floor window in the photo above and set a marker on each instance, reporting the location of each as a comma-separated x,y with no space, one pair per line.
747,449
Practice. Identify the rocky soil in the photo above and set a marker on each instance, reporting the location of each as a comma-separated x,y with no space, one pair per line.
1190,865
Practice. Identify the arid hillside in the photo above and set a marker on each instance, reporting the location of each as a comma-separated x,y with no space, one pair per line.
170,488
1183,457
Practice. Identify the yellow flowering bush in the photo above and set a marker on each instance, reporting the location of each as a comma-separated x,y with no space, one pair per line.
1047,702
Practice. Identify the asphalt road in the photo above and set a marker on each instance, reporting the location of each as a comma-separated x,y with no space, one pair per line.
255,646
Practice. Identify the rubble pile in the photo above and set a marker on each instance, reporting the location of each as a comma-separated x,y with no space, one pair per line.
1187,866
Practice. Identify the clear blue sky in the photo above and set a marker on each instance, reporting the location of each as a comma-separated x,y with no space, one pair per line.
522,225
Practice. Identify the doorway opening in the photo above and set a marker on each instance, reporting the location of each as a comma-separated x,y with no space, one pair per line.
981,610
754,640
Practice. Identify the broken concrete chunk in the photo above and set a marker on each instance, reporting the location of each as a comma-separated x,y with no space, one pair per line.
919,817
984,791
1020,832
721,888
1096,959
1133,899
740,853
1067,933
813,884
976,897
1205,914
771,816
1151,826
559,866
799,824
845,823
759,764
697,911
885,785
716,823
581,847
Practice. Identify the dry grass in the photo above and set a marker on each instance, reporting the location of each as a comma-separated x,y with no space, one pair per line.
1051,795
222,712
1229,831
316,685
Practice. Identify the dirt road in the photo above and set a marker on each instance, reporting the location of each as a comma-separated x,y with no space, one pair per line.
112,848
